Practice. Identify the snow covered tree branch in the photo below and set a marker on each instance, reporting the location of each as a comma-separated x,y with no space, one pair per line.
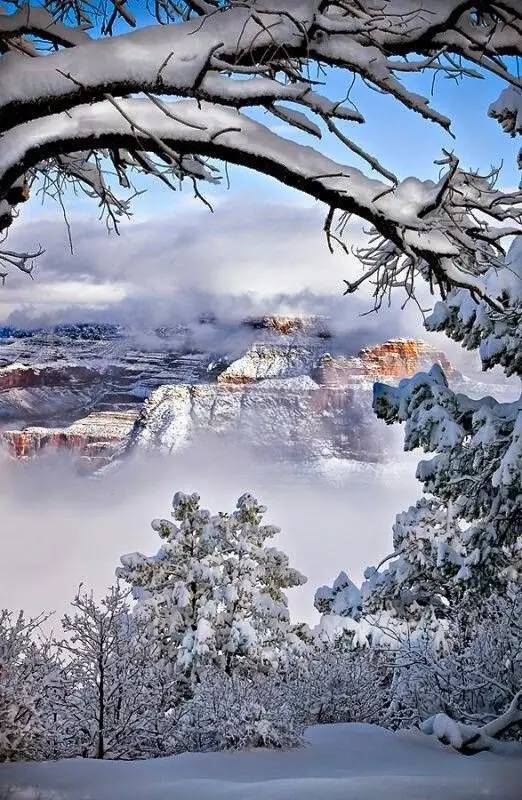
67,87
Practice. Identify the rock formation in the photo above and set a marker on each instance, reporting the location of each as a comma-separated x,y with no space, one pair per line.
290,399
93,440
97,393
388,362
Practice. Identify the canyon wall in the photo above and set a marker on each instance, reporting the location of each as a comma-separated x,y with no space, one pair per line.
286,393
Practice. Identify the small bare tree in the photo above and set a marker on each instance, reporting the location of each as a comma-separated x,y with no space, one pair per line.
29,673
115,699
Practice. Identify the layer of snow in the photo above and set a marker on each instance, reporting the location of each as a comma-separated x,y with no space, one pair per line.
339,762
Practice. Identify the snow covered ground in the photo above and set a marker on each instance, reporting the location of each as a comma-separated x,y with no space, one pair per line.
339,762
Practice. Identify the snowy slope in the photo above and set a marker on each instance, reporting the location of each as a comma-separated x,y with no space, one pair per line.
340,762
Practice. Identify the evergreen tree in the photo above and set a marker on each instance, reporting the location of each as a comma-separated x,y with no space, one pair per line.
457,555
213,595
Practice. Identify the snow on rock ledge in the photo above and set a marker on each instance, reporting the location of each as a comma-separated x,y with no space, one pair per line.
263,361
94,439
300,401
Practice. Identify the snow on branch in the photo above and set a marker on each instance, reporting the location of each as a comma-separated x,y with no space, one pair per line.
471,738
174,58
407,215
38,22
429,222
234,55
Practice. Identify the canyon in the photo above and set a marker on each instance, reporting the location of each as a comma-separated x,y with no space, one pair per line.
101,393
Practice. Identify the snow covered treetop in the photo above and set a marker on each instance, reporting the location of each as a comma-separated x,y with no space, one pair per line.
498,337
343,598
475,474
214,594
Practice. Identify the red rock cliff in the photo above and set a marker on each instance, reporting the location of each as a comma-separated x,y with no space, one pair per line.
94,438
19,376
392,360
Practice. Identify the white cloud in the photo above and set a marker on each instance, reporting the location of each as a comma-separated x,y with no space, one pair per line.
249,256
246,246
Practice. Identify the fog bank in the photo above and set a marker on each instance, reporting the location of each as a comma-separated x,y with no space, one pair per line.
58,529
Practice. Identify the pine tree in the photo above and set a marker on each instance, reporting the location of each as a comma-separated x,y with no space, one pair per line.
213,595
255,623
457,555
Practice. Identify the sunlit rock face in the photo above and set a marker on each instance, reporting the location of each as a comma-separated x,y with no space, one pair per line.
390,361
100,392
93,441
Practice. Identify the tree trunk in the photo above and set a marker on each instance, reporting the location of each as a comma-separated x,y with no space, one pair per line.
100,744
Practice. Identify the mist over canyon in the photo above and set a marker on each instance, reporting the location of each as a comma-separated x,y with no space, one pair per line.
287,386
280,406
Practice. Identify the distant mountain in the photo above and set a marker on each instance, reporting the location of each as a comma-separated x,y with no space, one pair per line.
101,391
79,330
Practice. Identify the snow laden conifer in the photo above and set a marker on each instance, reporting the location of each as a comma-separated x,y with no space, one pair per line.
420,589
340,606
468,540
213,595
458,552
256,624
343,627
177,589
463,542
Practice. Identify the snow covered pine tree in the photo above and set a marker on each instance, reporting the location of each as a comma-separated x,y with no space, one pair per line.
213,595
458,552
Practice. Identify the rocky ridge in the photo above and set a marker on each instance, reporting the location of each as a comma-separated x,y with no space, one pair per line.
94,441
292,400
100,396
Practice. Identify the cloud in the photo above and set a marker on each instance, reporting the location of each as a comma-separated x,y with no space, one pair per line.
59,529
250,257
246,246
253,256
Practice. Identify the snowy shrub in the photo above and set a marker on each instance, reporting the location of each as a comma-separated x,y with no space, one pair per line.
343,685
232,712
475,679
115,698
29,674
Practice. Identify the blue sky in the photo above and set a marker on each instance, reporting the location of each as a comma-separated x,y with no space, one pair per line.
402,140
